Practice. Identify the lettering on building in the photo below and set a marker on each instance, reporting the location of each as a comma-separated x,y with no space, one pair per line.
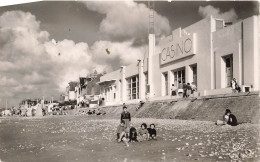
175,50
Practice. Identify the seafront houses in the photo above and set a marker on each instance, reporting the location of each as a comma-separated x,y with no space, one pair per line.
87,89
208,53
70,94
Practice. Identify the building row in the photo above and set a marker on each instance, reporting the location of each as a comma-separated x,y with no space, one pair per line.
83,90
208,53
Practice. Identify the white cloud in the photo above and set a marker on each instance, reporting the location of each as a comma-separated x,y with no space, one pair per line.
5,66
216,13
21,33
128,20
7,82
122,52
30,62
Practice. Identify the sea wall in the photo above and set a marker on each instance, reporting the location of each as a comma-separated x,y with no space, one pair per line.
245,106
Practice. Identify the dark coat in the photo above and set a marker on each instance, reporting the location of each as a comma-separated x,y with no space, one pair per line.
126,115
232,120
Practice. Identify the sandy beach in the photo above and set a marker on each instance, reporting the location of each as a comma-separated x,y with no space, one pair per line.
93,138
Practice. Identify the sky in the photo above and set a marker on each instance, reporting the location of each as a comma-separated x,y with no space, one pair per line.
31,66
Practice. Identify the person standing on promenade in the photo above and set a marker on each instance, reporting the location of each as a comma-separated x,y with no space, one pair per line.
173,89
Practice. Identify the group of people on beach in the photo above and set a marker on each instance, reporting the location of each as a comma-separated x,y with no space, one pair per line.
183,90
128,133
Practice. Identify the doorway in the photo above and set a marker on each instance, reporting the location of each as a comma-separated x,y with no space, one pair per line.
165,84
229,69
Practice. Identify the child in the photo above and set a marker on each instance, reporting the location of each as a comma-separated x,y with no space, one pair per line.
121,133
143,133
133,135
152,131
126,116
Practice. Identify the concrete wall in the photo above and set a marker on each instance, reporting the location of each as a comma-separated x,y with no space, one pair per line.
110,76
209,109
240,40
250,51
131,70
225,42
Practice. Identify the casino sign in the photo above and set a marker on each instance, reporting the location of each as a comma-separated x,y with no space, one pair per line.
177,49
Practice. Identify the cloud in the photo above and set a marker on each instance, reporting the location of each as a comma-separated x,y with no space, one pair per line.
120,53
209,10
7,82
32,66
30,63
128,20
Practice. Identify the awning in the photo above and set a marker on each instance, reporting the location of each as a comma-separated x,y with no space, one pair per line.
106,81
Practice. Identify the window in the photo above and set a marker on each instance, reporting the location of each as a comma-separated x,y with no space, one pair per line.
133,88
179,77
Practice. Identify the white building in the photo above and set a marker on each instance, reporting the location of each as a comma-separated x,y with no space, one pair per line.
207,53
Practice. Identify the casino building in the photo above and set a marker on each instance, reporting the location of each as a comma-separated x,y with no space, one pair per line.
208,53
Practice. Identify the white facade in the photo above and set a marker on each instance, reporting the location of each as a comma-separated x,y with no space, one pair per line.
207,53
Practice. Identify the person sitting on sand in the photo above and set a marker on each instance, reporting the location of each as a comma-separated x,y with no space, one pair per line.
133,135
143,133
231,119
89,112
152,131
99,112
228,118
121,135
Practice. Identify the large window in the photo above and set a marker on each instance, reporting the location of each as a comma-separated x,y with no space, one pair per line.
133,88
179,77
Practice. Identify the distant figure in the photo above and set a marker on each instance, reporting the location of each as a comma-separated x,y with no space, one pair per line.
238,89
233,85
180,89
185,88
173,89
126,116
152,131
188,90
89,112
141,103
193,88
